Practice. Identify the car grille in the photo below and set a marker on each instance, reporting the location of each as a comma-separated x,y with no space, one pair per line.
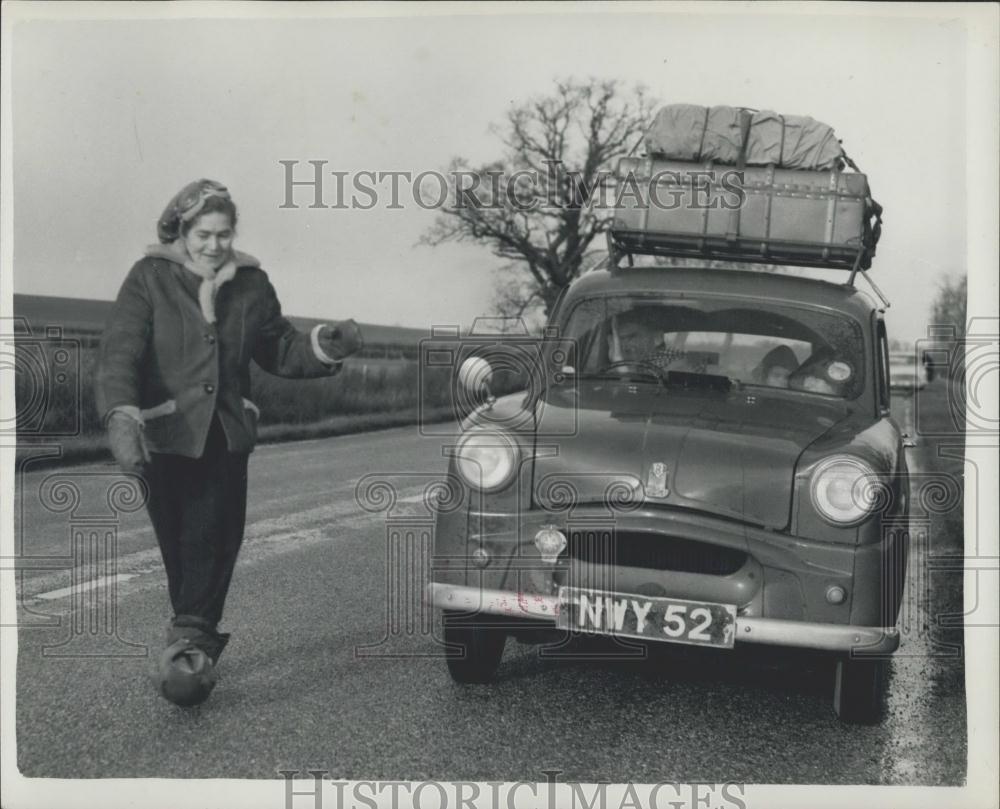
653,551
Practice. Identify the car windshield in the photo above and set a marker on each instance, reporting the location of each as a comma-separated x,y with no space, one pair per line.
773,346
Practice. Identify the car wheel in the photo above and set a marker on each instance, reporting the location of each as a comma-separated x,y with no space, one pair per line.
476,646
859,690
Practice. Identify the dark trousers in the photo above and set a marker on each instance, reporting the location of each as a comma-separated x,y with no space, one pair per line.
198,509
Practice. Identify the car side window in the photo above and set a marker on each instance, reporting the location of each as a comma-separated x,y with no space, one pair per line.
883,367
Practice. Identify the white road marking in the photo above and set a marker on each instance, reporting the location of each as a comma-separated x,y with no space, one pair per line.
93,584
263,538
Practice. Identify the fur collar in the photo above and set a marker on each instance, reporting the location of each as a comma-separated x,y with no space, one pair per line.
210,282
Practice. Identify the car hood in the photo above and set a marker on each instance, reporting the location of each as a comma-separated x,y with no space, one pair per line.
729,454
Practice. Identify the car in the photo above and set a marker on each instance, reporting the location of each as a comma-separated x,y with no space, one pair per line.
905,373
706,457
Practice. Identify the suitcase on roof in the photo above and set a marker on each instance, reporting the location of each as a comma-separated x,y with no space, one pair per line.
756,214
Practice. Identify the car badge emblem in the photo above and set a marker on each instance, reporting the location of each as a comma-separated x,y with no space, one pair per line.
656,483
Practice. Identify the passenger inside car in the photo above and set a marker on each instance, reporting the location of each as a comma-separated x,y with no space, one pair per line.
776,367
819,374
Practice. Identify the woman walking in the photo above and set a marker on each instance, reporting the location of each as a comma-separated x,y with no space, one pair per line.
173,387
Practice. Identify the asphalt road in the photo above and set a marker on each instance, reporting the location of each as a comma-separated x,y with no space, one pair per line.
314,679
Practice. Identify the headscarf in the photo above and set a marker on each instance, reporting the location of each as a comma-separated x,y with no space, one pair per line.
185,206
780,356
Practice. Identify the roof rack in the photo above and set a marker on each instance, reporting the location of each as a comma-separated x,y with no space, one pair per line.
617,252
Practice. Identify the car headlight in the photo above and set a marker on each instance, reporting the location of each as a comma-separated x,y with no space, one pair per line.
487,460
845,490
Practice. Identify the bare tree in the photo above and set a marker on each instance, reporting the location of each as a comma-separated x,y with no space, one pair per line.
530,207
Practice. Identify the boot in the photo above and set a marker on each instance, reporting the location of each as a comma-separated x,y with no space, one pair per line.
185,674
200,632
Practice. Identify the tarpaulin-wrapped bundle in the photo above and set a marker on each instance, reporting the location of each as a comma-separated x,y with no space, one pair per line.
693,133
729,183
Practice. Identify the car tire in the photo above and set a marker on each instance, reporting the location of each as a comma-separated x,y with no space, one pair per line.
475,646
859,690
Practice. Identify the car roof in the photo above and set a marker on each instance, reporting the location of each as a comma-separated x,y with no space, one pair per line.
768,286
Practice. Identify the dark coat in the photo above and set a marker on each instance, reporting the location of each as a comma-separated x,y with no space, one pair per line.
161,354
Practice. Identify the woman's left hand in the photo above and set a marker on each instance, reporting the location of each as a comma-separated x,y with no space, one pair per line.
341,339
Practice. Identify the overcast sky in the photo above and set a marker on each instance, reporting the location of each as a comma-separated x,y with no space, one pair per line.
110,118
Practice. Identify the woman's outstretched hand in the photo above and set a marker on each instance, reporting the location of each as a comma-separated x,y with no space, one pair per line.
341,339
126,442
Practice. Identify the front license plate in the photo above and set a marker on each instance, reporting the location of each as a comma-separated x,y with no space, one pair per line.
650,618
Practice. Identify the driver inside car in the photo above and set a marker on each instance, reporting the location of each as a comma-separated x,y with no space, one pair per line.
635,337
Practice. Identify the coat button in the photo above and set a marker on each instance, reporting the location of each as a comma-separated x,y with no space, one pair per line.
209,388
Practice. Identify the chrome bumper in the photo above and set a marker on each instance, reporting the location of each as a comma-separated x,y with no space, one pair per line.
802,634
